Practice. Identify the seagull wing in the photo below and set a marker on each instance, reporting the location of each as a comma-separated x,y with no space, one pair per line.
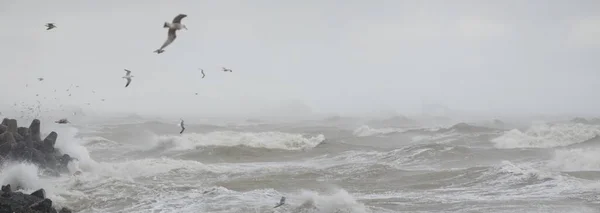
170,38
178,18
128,82
202,71
128,72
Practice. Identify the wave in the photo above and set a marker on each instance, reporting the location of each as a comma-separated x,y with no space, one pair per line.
547,136
268,140
365,131
576,159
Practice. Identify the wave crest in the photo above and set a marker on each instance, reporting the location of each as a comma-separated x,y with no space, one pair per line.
268,140
546,136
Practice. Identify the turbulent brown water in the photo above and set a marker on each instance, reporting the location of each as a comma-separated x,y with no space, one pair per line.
146,166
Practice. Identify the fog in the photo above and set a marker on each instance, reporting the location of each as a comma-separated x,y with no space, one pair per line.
301,57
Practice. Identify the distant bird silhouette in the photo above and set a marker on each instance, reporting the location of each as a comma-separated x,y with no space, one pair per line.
281,202
40,79
202,71
50,26
182,127
128,76
227,70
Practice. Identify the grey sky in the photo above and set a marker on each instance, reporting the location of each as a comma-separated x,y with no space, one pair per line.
335,56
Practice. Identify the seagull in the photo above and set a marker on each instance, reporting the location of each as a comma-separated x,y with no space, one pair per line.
128,77
202,71
173,27
226,70
281,202
182,127
50,26
40,79
196,93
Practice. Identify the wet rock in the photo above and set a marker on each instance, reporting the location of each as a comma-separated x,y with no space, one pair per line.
64,210
5,121
12,126
34,129
44,205
7,137
3,128
6,189
7,143
51,139
41,193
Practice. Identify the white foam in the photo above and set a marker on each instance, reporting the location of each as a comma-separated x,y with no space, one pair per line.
68,143
269,140
546,135
576,159
337,201
20,174
364,131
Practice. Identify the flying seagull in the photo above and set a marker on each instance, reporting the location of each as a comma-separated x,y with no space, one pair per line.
173,27
226,70
128,77
202,71
40,79
50,26
281,202
182,127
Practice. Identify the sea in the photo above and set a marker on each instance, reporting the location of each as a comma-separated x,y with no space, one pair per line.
334,165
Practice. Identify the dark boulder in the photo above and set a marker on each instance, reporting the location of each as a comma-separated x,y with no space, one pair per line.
6,189
51,139
44,205
34,129
3,128
5,121
64,160
64,210
12,126
41,193
7,143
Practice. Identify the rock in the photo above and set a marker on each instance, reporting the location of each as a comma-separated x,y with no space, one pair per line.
44,205
3,128
23,131
12,126
64,160
41,193
64,210
7,143
34,129
6,188
7,137
51,139
5,121
37,156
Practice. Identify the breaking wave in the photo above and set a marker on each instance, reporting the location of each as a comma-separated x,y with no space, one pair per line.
268,140
546,136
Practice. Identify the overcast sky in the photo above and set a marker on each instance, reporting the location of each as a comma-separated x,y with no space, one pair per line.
343,56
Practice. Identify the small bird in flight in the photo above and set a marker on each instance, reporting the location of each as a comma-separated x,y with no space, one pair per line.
202,71
281,202
128,77
40,79
50,26
171,35
182,127
227,70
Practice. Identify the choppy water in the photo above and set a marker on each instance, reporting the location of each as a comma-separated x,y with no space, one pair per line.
149,167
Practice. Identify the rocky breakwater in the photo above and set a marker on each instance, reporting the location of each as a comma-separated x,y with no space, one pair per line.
35,202
26,144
